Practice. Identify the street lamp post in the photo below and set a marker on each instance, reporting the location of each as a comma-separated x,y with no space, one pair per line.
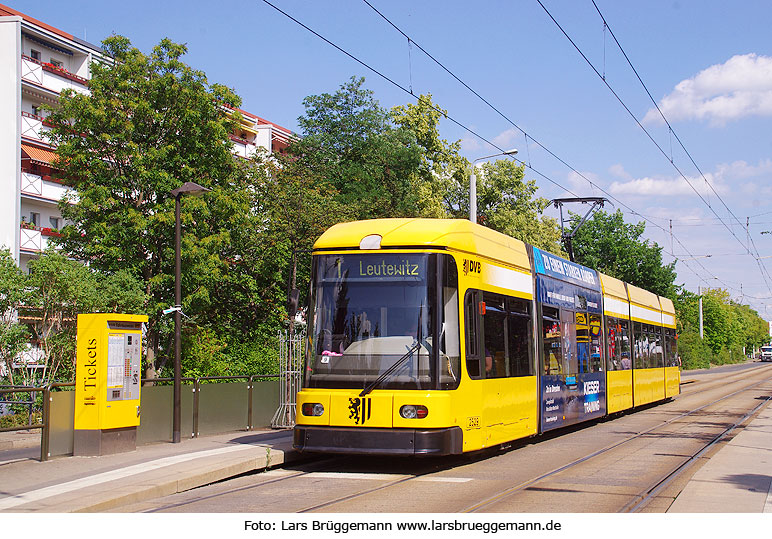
188,188
473,184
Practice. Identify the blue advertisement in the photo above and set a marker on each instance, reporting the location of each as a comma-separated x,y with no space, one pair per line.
567,400
568,296
560,268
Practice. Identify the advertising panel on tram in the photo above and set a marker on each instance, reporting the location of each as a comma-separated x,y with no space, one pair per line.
573,387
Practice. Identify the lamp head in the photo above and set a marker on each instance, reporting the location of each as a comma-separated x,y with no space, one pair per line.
190,188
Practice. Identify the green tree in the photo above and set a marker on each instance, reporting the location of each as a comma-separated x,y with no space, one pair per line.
731,330
608,244
58,289
149,124
442,172
350,144
508,203
14,335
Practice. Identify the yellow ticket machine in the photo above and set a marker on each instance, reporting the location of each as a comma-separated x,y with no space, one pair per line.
107,383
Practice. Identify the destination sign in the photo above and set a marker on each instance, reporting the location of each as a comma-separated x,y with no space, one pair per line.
388,267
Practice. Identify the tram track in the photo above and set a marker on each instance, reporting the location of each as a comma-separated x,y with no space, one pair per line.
635,502
641,499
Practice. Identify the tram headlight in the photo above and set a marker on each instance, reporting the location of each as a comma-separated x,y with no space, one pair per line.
313,409
413,411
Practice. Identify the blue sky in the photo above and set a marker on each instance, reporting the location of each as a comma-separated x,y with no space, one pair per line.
708,65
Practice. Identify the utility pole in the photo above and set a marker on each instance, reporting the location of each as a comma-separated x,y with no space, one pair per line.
699,291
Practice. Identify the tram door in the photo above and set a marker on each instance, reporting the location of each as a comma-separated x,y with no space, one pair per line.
503,340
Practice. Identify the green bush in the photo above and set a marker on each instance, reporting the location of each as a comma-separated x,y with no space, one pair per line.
694,352
19,420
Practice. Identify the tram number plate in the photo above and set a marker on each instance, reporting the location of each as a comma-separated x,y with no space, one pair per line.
473,422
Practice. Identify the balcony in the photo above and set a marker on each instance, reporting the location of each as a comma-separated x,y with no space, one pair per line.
35,239
34,126
50,76
42,187
242,148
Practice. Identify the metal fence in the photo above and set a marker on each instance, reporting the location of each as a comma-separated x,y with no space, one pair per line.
210,405
291,361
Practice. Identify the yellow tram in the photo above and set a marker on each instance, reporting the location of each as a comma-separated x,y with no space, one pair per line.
437,337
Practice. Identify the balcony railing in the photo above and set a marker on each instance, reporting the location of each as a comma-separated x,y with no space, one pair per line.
39,186
31,239
35,239
242,147
34,126
50,76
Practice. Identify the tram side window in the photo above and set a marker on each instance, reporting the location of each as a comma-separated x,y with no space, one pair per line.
498,335
472,343
507,336
641,359
671,352
520,342
552,359
657,357
570,355
623,340
582,342
596,343
612,346
494,336
450,349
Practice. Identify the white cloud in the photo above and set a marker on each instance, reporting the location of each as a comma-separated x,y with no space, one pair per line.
740,87
506,138
659,186
470,144
727,176
578,182
618,171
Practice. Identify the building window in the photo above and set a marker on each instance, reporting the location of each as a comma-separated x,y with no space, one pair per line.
34,54
34,218
55,222
57,63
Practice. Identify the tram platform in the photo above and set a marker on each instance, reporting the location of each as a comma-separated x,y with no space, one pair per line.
736,479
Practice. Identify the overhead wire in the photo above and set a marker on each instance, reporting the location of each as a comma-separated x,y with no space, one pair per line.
525,134
492,144
672,132
765,276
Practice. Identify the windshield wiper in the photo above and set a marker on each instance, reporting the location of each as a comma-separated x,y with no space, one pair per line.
388,372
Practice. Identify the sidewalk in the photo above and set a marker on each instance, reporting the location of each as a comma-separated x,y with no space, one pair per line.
737,479
93,484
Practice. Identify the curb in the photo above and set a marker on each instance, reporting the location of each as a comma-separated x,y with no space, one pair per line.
173,481
22,441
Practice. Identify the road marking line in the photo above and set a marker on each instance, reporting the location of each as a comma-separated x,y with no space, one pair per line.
354,475
386,477
54,490
445,479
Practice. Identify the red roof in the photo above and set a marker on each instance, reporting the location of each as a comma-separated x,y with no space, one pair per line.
7,11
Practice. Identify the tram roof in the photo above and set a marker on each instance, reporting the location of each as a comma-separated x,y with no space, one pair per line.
456,234
613,286
644,298
667,305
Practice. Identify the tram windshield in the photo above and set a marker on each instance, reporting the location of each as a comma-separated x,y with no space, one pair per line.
370,310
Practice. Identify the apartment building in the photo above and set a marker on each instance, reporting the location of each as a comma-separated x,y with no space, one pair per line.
37,62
